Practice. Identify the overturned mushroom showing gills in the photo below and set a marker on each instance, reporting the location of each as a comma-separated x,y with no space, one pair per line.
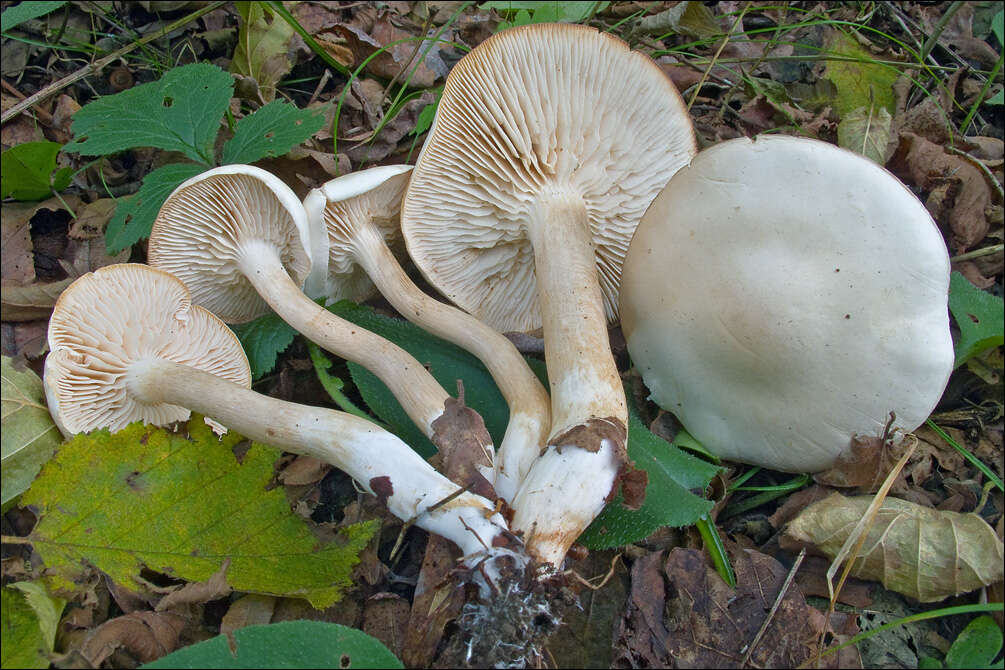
360,212
127,345
238,238
549,143
783,295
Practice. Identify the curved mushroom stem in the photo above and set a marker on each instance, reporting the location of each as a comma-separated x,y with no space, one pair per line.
383,464
420,395
569,484
530,417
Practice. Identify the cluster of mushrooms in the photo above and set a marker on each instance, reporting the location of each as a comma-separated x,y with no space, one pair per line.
780,296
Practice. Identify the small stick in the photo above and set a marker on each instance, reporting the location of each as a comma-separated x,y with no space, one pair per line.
432,508
99,64
774,608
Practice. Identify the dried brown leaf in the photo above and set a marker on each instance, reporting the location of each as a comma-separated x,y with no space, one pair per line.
248,610
919,552
682,615
143,636
18,263
967,192
27,303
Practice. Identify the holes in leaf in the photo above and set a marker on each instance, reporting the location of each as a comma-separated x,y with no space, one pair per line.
973,317
168,101
344,661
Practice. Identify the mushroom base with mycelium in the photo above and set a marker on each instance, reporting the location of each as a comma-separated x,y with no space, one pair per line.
782,295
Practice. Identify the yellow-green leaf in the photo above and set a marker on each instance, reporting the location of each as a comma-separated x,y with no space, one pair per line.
860,81
262,47
22,643
29,436
183,505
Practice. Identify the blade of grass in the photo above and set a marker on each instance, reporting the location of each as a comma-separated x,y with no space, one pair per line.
713,544
976,462
279,9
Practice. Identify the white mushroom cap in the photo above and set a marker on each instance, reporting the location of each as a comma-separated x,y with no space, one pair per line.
783,295
369,197
215,220
118,316
534,110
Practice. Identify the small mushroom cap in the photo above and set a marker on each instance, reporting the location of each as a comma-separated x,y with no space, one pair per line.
119,315
537,111
784,295
340,207
207,225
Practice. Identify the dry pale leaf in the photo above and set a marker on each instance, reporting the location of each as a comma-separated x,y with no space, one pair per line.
920,552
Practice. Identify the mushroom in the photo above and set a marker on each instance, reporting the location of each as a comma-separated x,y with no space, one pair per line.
783,295
238,238
549,142
360,212
126,344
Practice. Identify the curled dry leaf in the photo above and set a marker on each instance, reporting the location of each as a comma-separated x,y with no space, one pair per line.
920,552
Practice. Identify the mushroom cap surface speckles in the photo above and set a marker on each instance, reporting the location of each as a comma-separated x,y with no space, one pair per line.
341,207
119,315
211,222
535,111
783,295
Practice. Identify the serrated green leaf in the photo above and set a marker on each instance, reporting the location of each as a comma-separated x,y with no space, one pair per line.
26,11
290,644
860,82
669,501
179,112
271,131
263,340
48,610
22,644
866,132
182,506
445,361
26,171
979,316
29,435
134,216
262,51
977,645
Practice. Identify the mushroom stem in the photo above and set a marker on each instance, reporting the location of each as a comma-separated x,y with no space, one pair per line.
530,418
569,484
419,394
383,464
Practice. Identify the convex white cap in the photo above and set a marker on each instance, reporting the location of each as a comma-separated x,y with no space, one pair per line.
782,295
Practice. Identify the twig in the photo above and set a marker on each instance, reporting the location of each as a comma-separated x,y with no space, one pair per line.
99,64
45,116
774,608
586,582
977,253
432,508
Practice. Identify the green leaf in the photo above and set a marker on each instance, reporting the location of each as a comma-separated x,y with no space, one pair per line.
997,99
179,112
185,506
866,131
977,645
669,500
447,362
997,27
262,51
271,131
29,436
425,119
860,82
134,216
263,340
26,11
290,644
48,610
979,316
26,171
22,644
